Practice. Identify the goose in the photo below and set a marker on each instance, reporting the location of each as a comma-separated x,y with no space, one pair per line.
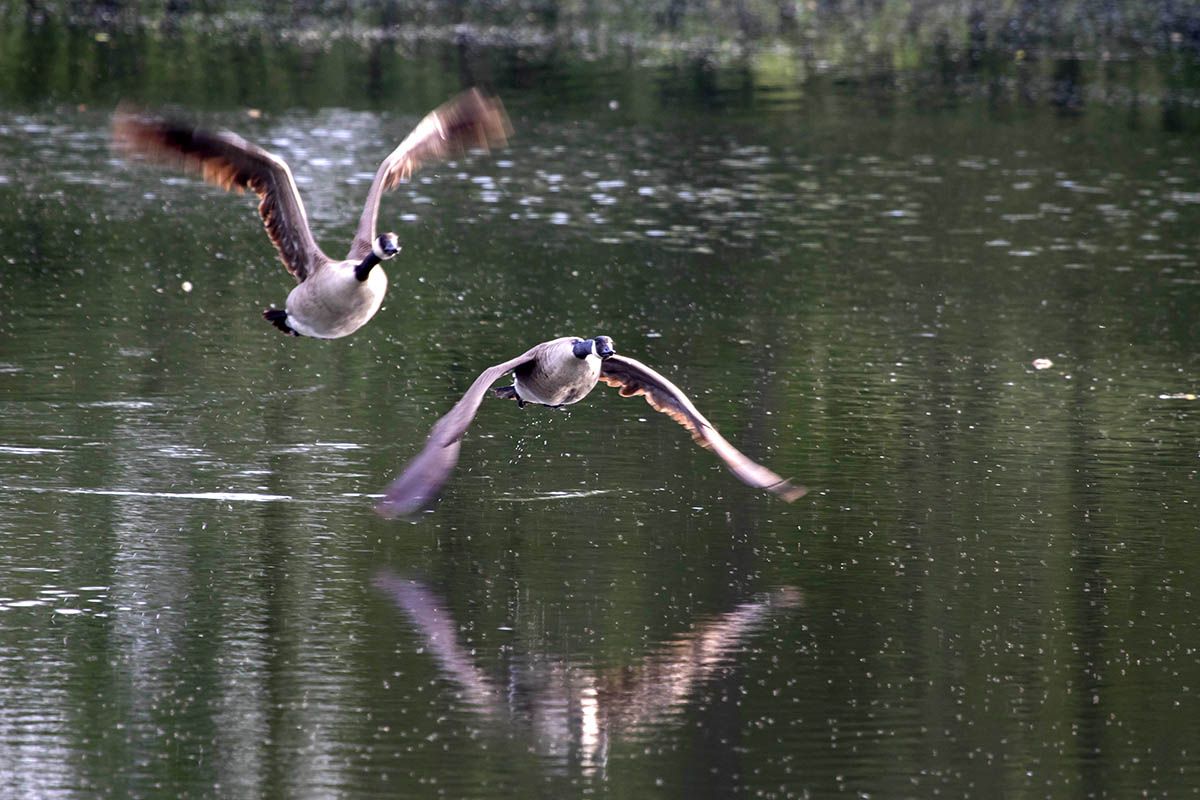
332,298
557,373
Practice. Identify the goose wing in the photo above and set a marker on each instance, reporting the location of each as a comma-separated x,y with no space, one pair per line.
634,378
469,120
229,161
425,475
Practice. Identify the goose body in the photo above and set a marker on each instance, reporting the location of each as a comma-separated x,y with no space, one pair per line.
333,302
554,373
556,377
333,297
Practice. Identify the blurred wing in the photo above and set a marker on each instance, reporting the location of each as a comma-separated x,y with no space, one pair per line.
229,161
469,120
634,378
424,477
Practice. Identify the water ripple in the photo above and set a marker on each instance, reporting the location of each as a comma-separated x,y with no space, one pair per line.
233,497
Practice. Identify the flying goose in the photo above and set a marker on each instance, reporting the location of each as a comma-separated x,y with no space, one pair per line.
333,298
557,373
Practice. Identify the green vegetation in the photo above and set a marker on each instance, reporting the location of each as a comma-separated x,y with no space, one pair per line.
838,30
670,55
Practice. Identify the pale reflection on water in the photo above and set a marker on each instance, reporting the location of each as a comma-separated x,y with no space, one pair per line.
570,711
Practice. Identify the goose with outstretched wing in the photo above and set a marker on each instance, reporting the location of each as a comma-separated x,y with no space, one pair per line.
557,373
333,297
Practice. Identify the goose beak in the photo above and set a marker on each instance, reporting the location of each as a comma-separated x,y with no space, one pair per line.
604,351
390,248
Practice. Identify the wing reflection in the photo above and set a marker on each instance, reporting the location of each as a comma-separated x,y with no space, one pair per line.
431,618
571,710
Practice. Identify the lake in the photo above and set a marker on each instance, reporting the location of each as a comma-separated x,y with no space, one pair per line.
958,301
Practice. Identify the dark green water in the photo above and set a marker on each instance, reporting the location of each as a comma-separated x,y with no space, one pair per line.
991,590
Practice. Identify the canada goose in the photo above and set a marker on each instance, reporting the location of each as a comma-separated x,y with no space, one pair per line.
333,298
556,373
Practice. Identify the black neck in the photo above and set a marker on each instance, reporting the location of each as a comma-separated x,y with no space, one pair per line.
364,269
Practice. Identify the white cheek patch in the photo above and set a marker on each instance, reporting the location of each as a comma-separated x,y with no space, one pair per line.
378,251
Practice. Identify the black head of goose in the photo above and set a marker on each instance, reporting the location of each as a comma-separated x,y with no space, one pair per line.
333,298
556,373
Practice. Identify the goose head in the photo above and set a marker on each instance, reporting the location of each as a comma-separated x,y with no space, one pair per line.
386,246
601,347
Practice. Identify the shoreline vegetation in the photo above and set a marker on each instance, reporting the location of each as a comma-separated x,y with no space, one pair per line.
272,54
841,31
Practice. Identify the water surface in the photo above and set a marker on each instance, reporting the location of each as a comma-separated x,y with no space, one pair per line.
991,587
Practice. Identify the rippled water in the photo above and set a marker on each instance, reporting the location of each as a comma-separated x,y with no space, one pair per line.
970,331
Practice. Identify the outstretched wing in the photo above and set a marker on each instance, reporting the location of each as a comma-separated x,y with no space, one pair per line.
469,120
425,475
634,378
229,161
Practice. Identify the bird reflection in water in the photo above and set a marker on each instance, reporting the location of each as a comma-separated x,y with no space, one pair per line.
571,710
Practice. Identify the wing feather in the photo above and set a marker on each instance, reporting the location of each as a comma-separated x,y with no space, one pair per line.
471,119
421,481
229,161
634,378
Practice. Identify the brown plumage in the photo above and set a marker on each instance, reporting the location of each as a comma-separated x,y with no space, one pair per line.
470,120
229,161
560,372
333,297
635,378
